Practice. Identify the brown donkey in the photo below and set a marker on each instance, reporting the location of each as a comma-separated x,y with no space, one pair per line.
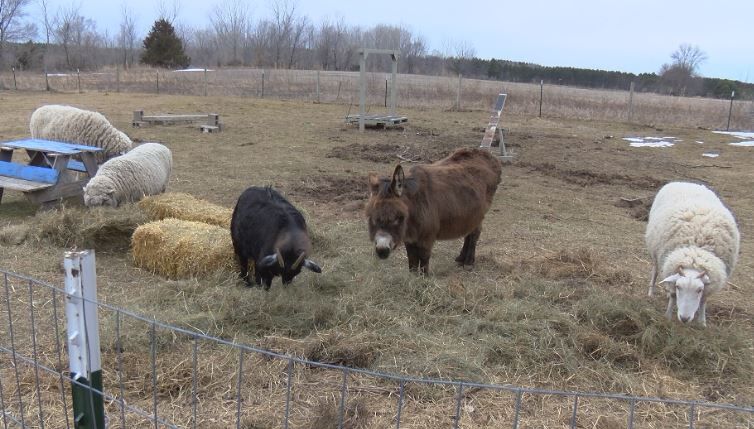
441,201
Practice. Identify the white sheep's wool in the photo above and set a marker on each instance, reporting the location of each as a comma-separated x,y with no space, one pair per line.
73,125
143,171
690,229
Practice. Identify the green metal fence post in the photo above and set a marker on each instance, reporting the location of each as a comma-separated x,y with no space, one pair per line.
83,340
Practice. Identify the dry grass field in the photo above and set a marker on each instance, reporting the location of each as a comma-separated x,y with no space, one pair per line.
557,298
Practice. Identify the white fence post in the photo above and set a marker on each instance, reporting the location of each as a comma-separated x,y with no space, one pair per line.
83,339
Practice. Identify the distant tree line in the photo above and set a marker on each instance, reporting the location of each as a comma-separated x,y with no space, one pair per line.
285,39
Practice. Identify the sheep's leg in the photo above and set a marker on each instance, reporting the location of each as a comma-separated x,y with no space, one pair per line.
702,312
671,304
653,280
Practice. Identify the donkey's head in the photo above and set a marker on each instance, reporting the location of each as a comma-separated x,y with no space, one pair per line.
387,212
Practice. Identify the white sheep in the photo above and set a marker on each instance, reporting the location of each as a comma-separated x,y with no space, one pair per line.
73,125
693,242
145,170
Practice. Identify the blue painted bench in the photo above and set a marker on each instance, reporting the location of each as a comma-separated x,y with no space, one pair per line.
46,176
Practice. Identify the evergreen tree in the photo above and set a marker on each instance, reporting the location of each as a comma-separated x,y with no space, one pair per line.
162,48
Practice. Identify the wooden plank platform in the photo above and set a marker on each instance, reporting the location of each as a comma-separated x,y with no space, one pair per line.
491,130
210,120
378,120
22,185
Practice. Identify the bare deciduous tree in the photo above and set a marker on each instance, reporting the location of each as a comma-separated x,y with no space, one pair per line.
77,36
682,73
231,21
168,12
127,36
688,58
12,27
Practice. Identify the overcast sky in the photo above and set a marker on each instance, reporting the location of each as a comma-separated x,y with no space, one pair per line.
632,35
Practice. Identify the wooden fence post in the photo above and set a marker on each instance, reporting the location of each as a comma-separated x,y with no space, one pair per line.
78,80
541,92
205,81
158,81
458,94
730,109
631,102
15,86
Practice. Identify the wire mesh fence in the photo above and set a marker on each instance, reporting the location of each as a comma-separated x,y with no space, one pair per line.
156,375
413,91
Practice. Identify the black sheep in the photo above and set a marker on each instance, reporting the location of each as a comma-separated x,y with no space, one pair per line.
267,230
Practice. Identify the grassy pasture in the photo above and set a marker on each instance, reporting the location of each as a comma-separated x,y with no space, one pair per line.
557,299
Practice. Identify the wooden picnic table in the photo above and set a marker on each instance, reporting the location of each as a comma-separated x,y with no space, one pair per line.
51,172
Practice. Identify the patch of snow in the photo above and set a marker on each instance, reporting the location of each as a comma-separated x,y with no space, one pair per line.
192,70
746,143
699,142
711,154
743,135
57,74
652,144
652,141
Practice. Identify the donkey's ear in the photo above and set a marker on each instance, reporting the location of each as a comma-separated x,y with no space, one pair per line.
374,183
396,185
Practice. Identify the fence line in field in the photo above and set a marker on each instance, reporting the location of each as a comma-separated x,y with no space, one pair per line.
421,91
137,392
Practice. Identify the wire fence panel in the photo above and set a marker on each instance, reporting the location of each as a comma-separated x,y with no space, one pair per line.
160,376
413,91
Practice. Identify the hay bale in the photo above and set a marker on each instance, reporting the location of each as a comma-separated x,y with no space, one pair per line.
185,207
176,248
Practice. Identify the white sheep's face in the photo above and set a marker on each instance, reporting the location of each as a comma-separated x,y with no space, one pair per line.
688,287
106,199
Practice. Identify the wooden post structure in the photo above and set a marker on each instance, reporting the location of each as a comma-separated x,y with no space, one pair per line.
317,86
205,81
363,54
15,86
262,83
158,81
117,78
458,94
47,81
78,80
730,109
541,91
631,102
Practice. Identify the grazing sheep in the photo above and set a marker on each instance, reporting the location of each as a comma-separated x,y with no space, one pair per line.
145,170
73,125
693,241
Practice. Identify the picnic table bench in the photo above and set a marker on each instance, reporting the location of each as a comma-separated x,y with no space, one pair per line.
50,173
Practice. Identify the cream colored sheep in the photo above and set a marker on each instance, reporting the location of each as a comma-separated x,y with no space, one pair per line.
145,170
693,242
72,125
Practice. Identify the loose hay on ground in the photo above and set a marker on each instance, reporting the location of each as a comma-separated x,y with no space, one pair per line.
177,248
185,207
